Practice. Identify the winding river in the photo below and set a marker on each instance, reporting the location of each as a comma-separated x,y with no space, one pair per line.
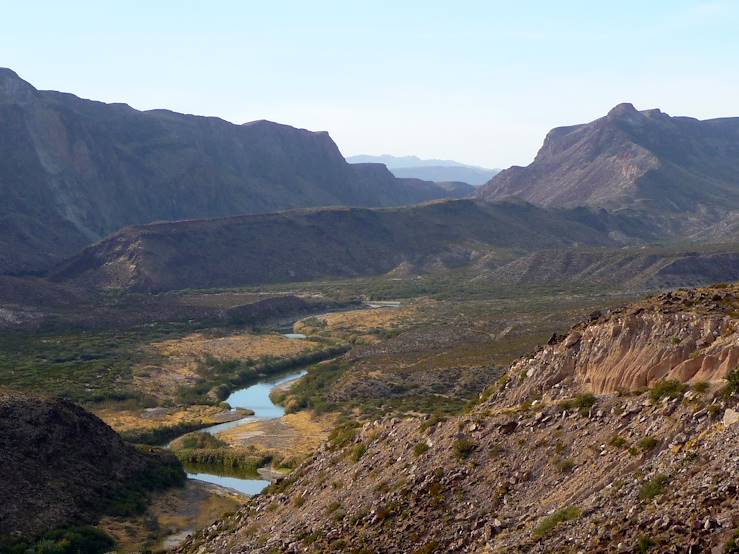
255,397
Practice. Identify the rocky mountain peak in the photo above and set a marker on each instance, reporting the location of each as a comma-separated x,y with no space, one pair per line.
13,88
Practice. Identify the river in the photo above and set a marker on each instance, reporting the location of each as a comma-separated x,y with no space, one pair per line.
255,397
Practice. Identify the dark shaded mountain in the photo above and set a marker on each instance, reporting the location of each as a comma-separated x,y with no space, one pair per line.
677,169
63,466
430,170
74,170
348,242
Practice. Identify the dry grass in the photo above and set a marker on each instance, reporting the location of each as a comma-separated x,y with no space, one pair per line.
363,324
181,357
298,433
130,420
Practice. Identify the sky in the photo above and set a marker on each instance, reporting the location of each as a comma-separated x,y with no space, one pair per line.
479,82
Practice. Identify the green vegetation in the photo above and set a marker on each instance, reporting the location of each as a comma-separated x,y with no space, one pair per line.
648,443
420,449
224,376
564,465
72,540
700,387
343,434
357,452
669,388
162,471
199,440
732,385
732,547
548,524
582,402
463,448
85,367
618,441
429,424
645,544
161,435
246,461
654,487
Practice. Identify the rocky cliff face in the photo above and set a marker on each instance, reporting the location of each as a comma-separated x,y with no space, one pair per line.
62,466
640,160
687,335
74,170
538,465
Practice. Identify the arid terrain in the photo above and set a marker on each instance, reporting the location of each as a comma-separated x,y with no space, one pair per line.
220,338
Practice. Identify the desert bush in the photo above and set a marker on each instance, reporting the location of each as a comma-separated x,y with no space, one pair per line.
548,524
669,388
420,448
648,443
463,448
654,487
618,441
357,452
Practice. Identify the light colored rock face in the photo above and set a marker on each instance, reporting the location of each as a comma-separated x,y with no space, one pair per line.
731,417
632,351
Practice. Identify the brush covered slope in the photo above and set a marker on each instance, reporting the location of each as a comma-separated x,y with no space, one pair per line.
540,464
75,170
342,242
63,467
680,170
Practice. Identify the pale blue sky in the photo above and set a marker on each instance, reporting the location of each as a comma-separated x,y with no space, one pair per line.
476,81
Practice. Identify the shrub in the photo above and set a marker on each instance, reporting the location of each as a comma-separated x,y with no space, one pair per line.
343,434
565,465
645,544
669,388
420,448
648,443
463,448
700,387
618,441
298,501
654,487
550,522
431,422
732,387
357,452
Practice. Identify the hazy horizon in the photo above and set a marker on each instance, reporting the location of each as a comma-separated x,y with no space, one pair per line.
479,83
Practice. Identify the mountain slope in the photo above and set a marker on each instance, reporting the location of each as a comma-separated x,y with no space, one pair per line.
676,168
63,466
539,465
310,244
74,170
429,170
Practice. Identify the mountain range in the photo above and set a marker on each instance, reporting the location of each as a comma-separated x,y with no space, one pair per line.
679,170
429,170
75,170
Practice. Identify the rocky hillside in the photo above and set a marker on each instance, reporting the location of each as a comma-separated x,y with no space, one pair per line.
643,268
642,160
540,464
310,244
74,170
62,466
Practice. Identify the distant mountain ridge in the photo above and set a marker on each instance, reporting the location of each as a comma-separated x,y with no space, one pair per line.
678,169
301,245
429,170
75,170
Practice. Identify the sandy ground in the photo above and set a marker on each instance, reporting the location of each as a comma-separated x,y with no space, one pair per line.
293,434
172,516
